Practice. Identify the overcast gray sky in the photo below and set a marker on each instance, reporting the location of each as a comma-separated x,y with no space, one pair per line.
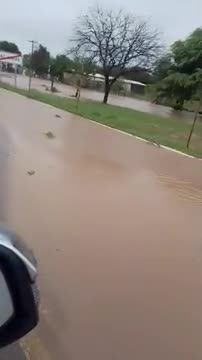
50,22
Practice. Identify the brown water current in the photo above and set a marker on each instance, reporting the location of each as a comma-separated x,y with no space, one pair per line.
116,226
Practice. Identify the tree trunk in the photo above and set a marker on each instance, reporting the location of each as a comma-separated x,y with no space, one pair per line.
52,83
107,90
179,104
106,95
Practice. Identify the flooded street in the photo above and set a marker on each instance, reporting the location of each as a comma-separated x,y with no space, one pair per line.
65,90
116,226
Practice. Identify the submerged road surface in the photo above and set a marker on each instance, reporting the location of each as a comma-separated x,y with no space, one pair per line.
66,90
116,227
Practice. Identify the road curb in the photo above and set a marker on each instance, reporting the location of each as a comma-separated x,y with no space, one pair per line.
142,139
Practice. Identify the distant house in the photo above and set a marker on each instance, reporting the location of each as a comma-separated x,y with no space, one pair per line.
10,61
130,86
134,87
97,82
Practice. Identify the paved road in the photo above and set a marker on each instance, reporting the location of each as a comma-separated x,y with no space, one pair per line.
116,226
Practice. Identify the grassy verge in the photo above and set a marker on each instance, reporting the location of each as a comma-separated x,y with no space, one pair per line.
169,132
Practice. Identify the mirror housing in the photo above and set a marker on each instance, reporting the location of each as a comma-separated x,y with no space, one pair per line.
21,283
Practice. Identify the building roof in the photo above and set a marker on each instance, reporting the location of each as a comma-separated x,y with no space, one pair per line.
10,58
100,77
133,82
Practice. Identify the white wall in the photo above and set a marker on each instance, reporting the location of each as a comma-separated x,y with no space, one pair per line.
17,60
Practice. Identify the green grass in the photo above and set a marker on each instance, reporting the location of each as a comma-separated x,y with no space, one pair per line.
169,132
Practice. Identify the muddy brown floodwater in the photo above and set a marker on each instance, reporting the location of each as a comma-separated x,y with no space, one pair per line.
116,227
66,90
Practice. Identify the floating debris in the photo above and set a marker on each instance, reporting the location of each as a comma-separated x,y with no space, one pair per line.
31,172
50,135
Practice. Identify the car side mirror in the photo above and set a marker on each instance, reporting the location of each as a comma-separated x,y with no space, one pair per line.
18,291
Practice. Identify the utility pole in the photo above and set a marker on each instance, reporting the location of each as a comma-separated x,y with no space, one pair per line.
31,70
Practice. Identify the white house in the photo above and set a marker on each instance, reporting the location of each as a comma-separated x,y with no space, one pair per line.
130,86
10,61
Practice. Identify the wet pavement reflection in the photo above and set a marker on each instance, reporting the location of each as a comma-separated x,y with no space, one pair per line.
116,226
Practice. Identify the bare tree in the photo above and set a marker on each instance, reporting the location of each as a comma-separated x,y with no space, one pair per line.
115,41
